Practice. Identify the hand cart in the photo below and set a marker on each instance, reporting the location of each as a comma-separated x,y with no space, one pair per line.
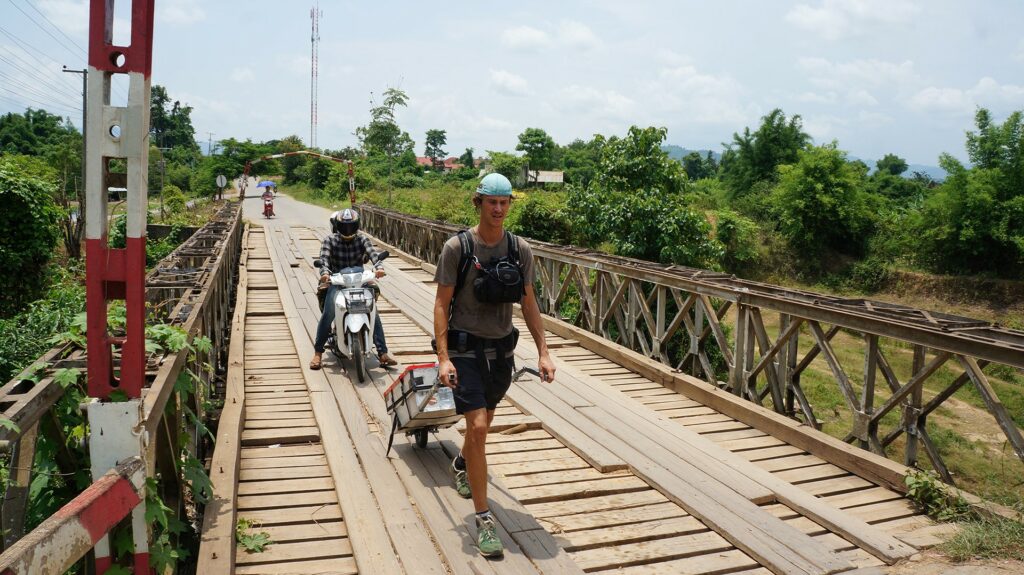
419,403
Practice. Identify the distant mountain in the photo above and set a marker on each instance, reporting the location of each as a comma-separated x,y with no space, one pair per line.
678,152
936,173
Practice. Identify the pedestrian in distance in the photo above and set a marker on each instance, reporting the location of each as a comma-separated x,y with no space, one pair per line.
481,272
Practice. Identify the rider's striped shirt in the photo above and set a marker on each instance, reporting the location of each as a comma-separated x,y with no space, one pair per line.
337,254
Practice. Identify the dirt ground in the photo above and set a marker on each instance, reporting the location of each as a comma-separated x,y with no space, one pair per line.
935,563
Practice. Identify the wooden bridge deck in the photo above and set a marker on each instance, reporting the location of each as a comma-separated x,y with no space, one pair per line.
603,470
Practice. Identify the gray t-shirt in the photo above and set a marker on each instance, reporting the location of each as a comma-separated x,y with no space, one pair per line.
487,320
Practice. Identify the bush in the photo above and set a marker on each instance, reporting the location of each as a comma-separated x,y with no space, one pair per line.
822,205
541,216
870,275
29,222
174,199
739,238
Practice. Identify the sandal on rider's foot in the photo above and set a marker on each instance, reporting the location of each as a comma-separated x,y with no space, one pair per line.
315,364
386,360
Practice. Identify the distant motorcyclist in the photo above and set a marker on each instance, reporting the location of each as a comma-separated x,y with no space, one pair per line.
345,248
268,202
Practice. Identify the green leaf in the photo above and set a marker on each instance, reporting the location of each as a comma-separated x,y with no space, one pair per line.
198,480
202,344
67,376
8,424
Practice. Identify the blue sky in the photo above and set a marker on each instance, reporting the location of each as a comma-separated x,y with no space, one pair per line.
880,76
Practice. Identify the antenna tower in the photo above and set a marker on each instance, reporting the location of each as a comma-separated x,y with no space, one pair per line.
314,14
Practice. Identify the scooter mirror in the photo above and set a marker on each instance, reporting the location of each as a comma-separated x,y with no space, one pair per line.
381,256
317,263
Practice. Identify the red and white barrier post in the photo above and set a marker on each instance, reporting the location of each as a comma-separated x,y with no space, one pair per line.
116,132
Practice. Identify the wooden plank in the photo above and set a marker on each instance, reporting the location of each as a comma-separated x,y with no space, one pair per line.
305,532
578,489
651,551
633,533
629,516
294,514
299,472
274,436
324,497
335,566
281,451
217,543
284,486
367,526
281,552
596,504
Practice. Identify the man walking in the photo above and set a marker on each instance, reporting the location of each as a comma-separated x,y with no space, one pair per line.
480,274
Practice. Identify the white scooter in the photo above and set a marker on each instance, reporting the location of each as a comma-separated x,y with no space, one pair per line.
356,311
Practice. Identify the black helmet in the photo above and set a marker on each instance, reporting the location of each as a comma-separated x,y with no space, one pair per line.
345,222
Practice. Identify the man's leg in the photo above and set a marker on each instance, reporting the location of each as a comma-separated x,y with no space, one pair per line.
474,452
380,343
323,327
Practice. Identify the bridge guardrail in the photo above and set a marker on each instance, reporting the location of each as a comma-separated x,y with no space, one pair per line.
192,288
676,314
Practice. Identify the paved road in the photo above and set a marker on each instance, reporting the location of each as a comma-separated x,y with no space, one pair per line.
290,212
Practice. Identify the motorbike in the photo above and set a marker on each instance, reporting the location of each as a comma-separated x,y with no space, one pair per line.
355,312
268,208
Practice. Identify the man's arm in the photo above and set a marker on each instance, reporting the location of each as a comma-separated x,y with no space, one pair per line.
370,254
531,313
442,300
325,257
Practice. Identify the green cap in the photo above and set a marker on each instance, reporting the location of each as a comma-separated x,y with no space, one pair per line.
494,184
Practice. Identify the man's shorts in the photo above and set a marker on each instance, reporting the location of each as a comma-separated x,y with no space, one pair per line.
472,393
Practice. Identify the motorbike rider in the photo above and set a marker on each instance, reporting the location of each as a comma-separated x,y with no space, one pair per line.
345,248
268,196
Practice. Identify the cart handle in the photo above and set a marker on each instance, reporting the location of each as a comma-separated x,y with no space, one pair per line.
528,370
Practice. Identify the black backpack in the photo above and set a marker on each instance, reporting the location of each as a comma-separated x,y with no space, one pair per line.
497,282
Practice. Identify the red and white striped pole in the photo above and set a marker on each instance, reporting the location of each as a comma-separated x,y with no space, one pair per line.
116,132
68,534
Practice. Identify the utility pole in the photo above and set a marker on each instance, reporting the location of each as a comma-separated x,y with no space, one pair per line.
314,14
85,106
209,144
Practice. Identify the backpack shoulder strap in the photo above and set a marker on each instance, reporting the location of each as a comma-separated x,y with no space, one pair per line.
513,247
465,260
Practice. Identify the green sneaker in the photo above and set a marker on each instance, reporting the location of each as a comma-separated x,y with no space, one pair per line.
461,482
487,537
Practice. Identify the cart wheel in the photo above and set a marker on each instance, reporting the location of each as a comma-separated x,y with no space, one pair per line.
421,438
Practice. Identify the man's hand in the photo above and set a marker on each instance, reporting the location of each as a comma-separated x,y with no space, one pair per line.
325,278
379,273
446,371
546,367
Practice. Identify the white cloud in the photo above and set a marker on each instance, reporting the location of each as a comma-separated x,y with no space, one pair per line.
703,98
525,38
242,75
577,35
71,16
855,74
180,11
837,19
861,98
986,93
509,84
816,98
601,103
1019,55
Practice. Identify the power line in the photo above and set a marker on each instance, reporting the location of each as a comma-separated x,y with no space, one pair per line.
41,77
44,104
29,49
50,22
30,89
40,26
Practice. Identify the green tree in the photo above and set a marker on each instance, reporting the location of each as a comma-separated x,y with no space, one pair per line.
508,165
382,135
538,147
29,220
754,156
466,159
699,168
821,203
892,164
436,140
580,160
33,133
636,203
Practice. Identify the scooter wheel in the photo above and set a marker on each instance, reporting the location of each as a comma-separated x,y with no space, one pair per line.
421,438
